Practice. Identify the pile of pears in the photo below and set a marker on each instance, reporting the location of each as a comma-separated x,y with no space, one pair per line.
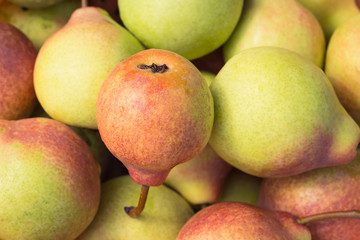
181,119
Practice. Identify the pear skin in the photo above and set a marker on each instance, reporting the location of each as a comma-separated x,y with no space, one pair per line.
277,115
17,59
240,221
49,181
343,65
278,23
317,191
73,63
164,215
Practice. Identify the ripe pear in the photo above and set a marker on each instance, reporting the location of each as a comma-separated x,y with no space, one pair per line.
154,111
35,3
331,13
201,179
240,221
38,24
320,190
73,63
343,65
49,181
17,59
279,23
162,219
189,28
276,115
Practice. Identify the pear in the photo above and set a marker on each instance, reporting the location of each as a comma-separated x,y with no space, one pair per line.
276,115
189,28
162,219
343,65
49,181
201,179
241,187
240,221
17,59
331,13
73,63
320,190
154,111
38,24
35,3
279,23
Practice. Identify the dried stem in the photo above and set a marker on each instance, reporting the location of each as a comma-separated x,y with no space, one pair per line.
329,215
135,211
84,3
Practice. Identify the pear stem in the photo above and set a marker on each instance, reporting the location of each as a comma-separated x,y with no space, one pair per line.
84,3
329,215
135,211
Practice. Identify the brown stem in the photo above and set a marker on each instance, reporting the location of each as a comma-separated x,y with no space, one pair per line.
329,215
135,211
84,3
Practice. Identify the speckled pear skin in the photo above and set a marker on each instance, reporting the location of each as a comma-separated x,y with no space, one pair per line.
49,181
294,28
240,221
17,59
317,191
73,63
276,115
343,65
154,121
164,214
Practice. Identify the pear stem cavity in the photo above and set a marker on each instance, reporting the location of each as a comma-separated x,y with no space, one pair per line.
329,215
84,3
154,68
135,211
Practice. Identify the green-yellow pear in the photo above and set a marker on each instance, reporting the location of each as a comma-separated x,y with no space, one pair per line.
187,27
276,115
38,24
331,13
164,215
73,63
35,3
343,65
279,23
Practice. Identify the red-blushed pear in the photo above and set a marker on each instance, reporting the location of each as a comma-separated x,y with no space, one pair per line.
162,219
240,221
321,190
277,115
343,65
278,23
17,59
201,179
49,181
154,111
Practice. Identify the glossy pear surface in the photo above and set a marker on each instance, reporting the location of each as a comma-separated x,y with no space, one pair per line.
153,118
73,63
276,115
164,215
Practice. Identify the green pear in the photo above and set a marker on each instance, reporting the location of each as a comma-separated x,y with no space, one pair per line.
35,3
49,181
165,213
343,65
320,190
240,221
17,59
209,76
38,24
241,187
201,179
187,27
73,63
331,13
279,23
276,115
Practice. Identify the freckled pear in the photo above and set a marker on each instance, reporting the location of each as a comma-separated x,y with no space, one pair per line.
276,115
154,111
